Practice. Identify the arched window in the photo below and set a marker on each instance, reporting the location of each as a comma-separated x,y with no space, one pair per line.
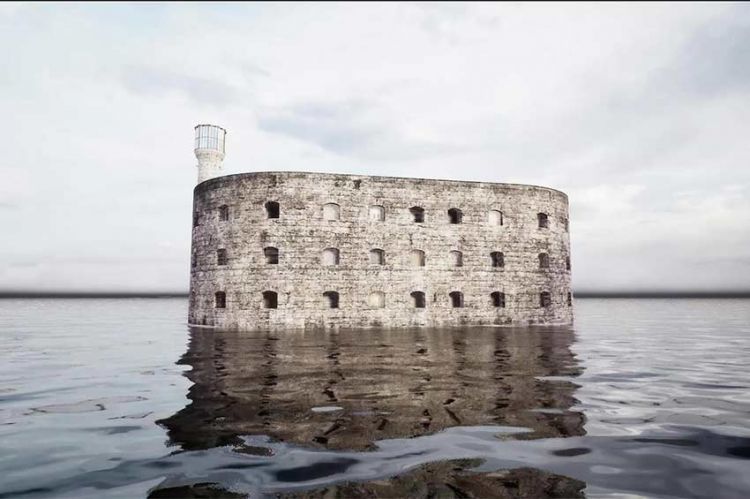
271,254
223,213
418,299
498,259
221,257
417,258
377,213
543,261
270,299
272,209
221,299
417,212
570,299
457,259
455,216
457,299
377,257
330,256
376,299
543,220
567,263
544,299
331,211
495,217
331,299
498,299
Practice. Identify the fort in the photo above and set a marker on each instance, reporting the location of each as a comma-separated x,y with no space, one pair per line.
319,250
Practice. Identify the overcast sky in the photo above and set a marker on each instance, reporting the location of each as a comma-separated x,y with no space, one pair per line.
639,112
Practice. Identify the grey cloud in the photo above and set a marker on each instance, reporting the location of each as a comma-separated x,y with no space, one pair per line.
152,81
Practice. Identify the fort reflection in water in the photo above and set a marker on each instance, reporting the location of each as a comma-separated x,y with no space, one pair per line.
348,389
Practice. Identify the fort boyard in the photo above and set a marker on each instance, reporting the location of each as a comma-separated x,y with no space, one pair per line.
316,250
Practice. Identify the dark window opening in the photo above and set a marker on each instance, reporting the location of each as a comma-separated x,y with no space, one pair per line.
221,299
272,209
196,219
223,213
457,299
543,261
194,261
270,299
567,225
567,263
377,257
455,216
418,299
272,255
544,299
498,299
570,299
457,258
332,298
418,213
498,259
543,220
221,257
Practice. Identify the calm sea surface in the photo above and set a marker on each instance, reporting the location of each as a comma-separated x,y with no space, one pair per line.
117,398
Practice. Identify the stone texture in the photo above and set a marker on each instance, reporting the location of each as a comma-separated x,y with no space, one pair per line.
301,234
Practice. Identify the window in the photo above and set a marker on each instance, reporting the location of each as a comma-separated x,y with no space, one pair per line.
544,299
272,209
196,219
498,259
543,261
455,216
418,299
377,257
221,257
566,222
498,299
417,258
457,299
376,299
331,299
570,299
377,213
567,263
193,260
221,299
417,212
331,211
330,256
270,299
272,255
457,259
543,220
495,217
223,213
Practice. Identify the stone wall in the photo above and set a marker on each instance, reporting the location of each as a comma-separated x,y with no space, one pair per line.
301,234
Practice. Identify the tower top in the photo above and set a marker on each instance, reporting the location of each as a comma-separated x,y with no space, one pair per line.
210,142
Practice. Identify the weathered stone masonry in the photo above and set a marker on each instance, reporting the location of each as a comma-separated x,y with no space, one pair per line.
349,253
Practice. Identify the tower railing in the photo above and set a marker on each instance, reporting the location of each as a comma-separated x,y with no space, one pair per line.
210,137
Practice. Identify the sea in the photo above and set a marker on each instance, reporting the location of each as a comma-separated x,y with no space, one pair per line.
104,398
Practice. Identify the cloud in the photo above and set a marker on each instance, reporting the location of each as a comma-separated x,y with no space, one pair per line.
157,82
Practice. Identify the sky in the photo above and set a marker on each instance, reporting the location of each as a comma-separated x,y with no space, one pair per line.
639,112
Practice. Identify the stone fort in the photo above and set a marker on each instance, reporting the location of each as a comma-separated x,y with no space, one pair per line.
318,250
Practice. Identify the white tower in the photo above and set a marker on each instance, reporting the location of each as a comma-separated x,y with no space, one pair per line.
209,149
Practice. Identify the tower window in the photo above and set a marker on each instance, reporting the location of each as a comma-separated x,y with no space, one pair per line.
221,257
331,299
495,217
457,259
377,213
331,211
223,213
498,299
417,258
543,220
543,261
330,256
270,299
567,263
272,209
567,225
221,299
418,299
193,260
417,212
457,299
455,216
376,299
377,257
497,259
570,299
544,299
271,254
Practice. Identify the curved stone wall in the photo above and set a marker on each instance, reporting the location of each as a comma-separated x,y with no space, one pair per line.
352,241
